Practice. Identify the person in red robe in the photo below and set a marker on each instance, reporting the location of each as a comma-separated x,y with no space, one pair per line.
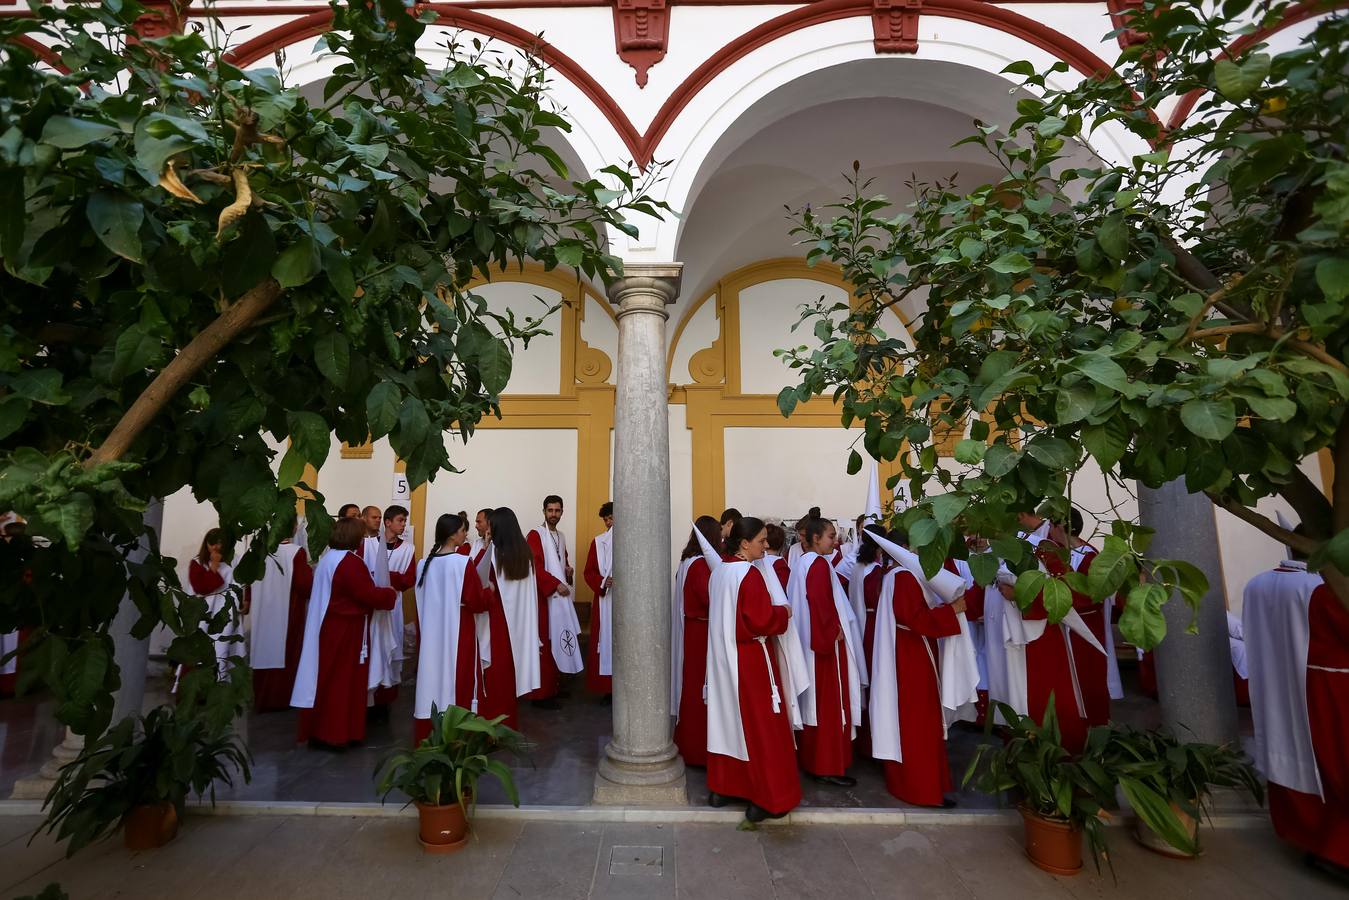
768,779
498,679
923,777
729,517
402,577
974,614
331,687
599,585
438,655
272,687
550,681
777,542
825,749
690,732
1049,674
1092,666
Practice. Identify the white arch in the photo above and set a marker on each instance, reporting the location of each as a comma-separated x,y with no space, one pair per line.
730,105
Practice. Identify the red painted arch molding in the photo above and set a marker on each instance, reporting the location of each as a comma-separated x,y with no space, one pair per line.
643,146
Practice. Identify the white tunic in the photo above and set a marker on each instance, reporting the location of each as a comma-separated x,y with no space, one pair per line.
270,609
604,557
1274,622
677,636
386,625
306,676
852,641
563,625
520,602
440,594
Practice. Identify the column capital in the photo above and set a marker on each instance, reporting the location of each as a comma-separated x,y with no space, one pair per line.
645,287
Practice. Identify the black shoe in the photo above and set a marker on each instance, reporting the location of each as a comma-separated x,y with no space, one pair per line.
549,703
316,744
836,780
717,801
607,700
948,803
1326,867
564,695
757,814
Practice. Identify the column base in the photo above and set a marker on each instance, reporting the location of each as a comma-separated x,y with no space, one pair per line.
626,779
37,785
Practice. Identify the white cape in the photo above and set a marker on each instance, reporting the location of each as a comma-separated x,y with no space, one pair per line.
852,643
215,602
440,592
306,676
563,625
1274,621
677,636
520,601
604,556
386,629
270,609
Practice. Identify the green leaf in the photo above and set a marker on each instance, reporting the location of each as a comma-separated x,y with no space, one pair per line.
970,452
1106,442
1104,371
73,517
1237,82
1332,277
40,386
297,264
984,567
922,532
1056,453
854,462
1000,460
494,365
413,424
946,507
13,411
332,355
247,258
1058,599
116,219
1010,264
1156,812
381,408
291,469
309,436
1211,419
1277,409
1113,236
1110,569
1029,584
1074,402
136,349
69,133
1142,622
786,401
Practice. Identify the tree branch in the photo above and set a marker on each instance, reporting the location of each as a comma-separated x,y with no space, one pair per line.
1213,300
1298,542
1311,504
200,350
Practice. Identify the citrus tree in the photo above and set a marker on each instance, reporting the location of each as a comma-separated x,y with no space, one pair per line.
1180,314
199,258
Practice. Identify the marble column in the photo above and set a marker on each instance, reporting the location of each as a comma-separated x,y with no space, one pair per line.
640,764
131,656
1194,671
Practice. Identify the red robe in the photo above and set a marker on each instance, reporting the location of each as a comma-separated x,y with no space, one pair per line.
769,778
1091,664
871,595
203,582
690,733
400,582
8,683
338,715
549,678
472,600
784,571
826,748
498,683
272,687
924,775
1321,826
595,682
1048,671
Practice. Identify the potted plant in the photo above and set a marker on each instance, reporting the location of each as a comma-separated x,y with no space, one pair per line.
1060,797
440,775
1168,783
137,775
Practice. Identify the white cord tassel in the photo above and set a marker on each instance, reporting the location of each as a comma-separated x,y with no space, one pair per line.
772,681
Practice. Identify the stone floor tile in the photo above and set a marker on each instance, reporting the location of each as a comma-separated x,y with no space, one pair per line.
555,860
811,862
636,860
716,862
901,862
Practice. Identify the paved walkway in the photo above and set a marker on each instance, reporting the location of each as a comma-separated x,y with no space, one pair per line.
374,857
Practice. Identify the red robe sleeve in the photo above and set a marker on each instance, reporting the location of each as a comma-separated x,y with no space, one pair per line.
353,581
784,571
696,580
202,580
472,597
547,583
592,575
463,549
755,613
912,611
1048,555
302,576
871,587
824,624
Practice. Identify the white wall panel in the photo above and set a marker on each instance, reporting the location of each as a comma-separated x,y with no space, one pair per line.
767,313
782,472
536,369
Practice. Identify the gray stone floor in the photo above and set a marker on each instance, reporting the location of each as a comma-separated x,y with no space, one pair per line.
559,771
378,857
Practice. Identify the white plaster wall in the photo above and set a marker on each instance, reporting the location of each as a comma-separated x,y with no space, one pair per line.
601,332
767,313
782,472
699,333
682,512
535,369
515,467
365,482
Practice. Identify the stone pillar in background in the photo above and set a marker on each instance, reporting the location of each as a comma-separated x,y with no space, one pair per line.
131,656
640,763
1194,671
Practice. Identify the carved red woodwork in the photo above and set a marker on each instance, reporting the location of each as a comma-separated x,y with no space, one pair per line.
162,17
1120,13
641,30
894,24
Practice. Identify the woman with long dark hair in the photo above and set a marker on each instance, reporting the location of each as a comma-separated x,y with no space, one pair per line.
515,583
210,575
452,609
690,644
751,754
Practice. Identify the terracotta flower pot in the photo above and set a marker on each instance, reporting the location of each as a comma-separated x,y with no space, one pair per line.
1154,841
444,829
1052,844
149,826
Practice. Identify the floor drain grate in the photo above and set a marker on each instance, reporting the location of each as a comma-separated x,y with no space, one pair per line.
636,860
